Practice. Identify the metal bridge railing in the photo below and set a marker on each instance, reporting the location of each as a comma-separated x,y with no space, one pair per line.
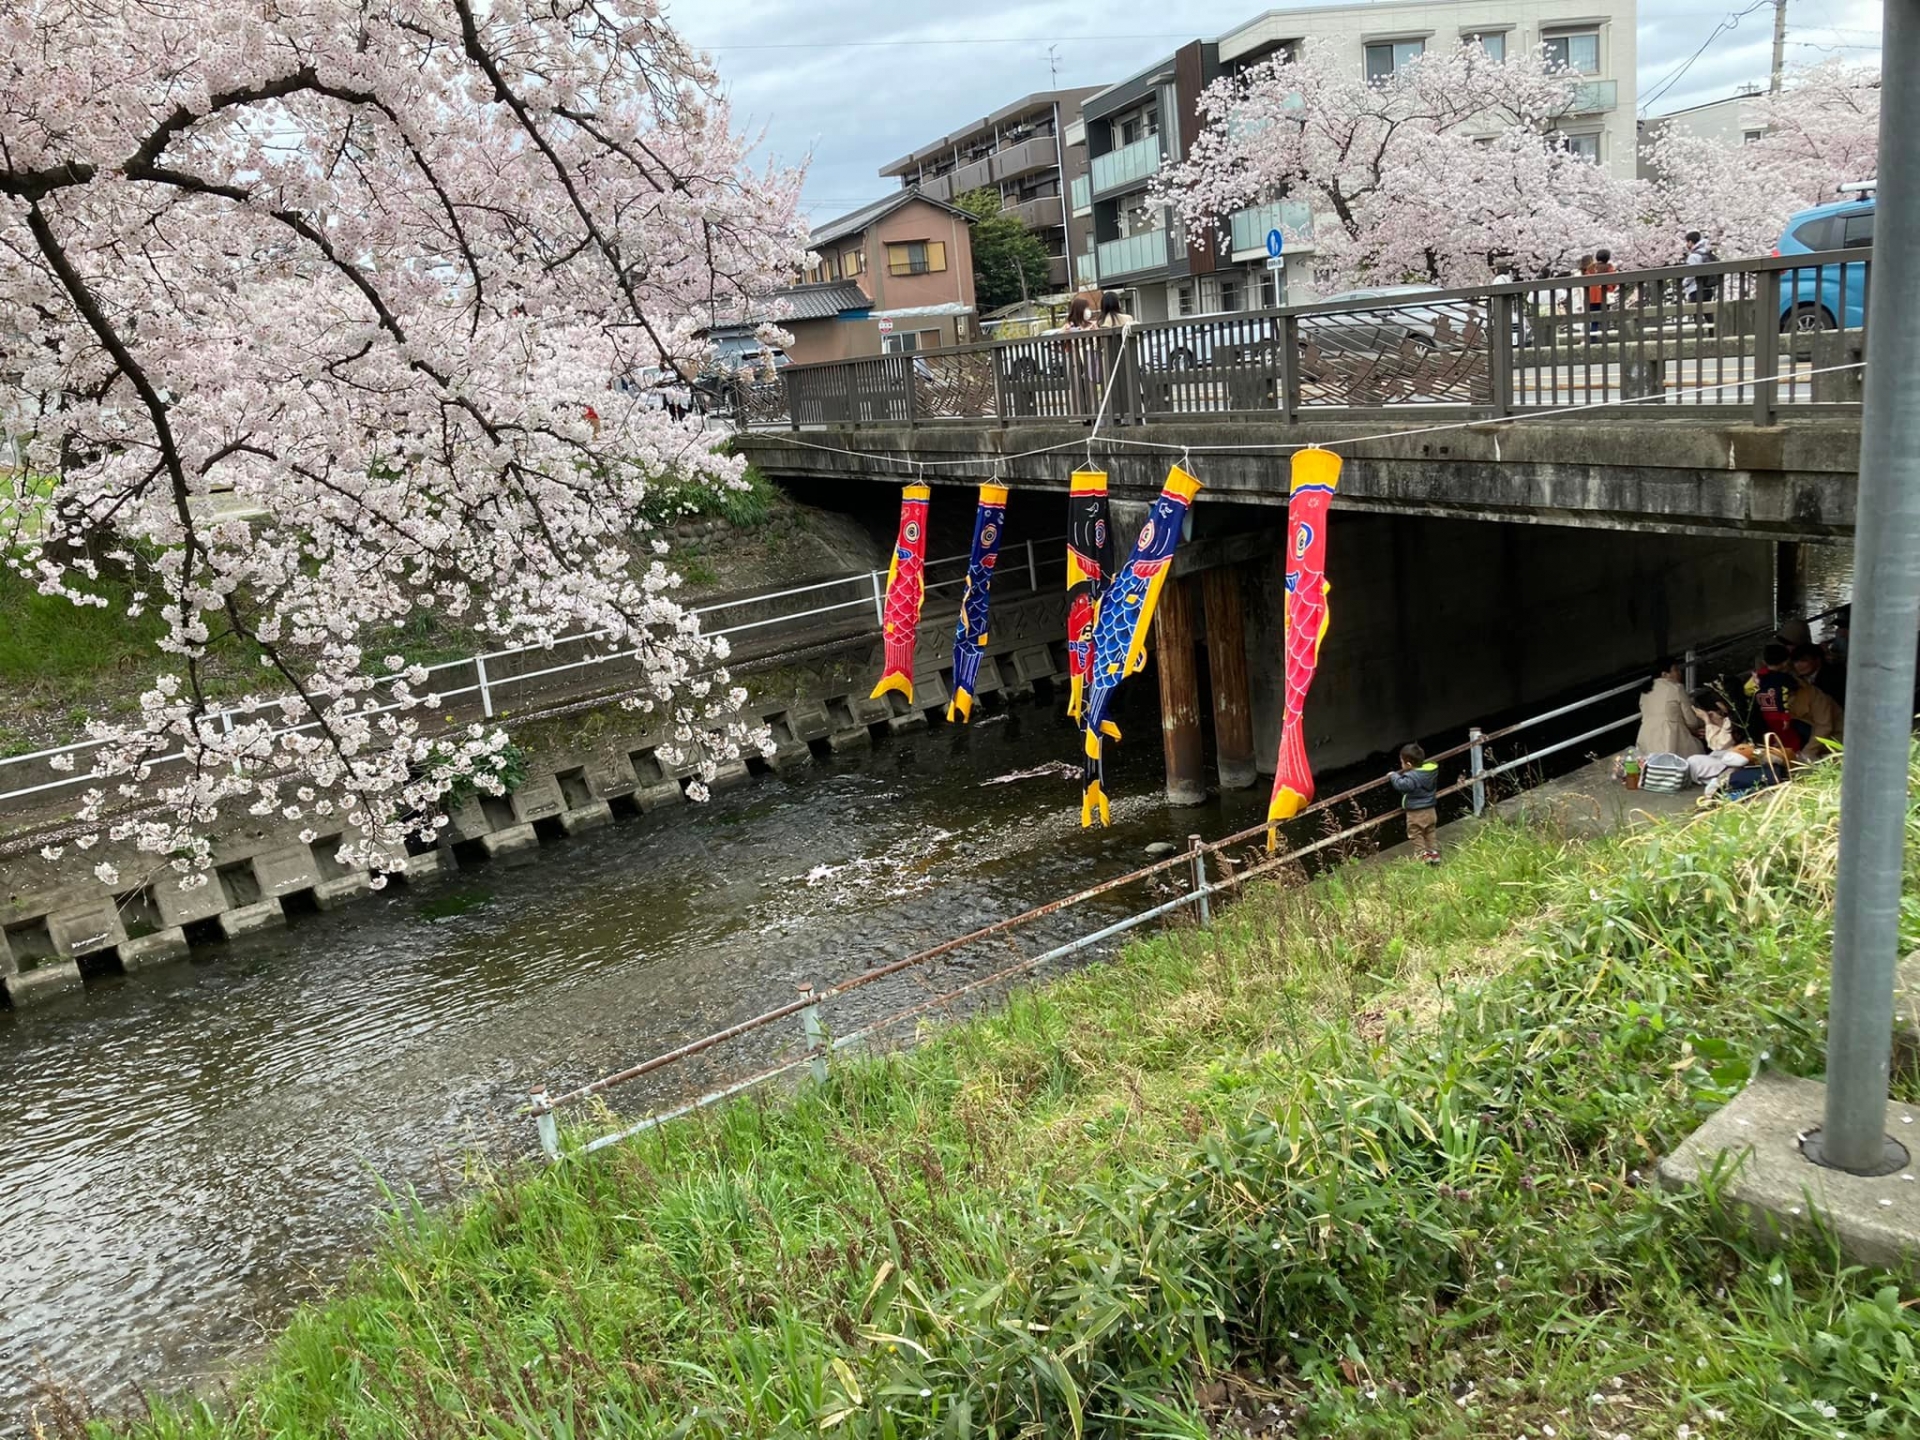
1751,336
1192,866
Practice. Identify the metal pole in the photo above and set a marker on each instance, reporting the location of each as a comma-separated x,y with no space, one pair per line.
1779,46
1477,764
547,1124
1693,671
1199,849
816,1034
1033,569
1886,617
879,599
486,695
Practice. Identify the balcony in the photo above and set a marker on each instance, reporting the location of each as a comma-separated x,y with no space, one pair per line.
1057,271
1126,166
1043,213
1593,97
1086,273
972,177
1082,190
1250,226
937,187
1133,255
1014,161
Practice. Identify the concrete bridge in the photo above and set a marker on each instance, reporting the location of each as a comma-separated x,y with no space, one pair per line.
1536,492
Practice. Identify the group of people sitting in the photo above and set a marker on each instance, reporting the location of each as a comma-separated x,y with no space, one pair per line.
1740,733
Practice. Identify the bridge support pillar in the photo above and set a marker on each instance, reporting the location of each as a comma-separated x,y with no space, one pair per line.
1227,669
1173,640
1789,594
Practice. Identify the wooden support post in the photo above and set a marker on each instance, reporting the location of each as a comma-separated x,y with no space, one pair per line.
1179,694
1227,668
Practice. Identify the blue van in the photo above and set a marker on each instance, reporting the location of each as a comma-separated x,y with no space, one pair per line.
1827,297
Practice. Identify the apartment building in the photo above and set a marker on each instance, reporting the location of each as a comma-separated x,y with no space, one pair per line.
1134,129
1018,152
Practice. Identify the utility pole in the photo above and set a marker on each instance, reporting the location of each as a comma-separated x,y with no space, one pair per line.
1779,46
1886,617
1053,62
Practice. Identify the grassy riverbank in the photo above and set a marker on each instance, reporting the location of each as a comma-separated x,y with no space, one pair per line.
1368,1158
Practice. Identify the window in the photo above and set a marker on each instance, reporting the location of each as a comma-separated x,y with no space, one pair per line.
1577,50
1822,233
1229,294
1747,137
1137,126
1495,45
1387,56
917,257
1183,300
852,263
1273,289
900,342
1587,147
1858,232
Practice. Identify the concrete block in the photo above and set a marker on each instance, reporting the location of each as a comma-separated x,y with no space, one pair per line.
538,799
858,738
47,981
155,949
912,720
667,792
808,721
286,871
729,774
930,692
612,775
990,677
506,842
1766,1179
1033,663
416,869
467,821
85,929
250,919
332,894
184,907
586,817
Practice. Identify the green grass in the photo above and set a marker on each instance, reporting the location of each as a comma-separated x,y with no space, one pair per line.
1368,1158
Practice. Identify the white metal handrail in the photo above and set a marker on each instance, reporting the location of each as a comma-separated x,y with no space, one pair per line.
819,1045
488,684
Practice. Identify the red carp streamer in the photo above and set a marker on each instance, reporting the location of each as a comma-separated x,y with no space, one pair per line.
906,588
1316,475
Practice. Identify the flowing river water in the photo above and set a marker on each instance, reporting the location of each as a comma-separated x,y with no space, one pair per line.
186,1154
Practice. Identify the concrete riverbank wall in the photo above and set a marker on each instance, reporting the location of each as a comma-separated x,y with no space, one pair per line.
593,760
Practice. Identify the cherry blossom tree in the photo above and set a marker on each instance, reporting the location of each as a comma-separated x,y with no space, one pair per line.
1820,132
361,272
1445,172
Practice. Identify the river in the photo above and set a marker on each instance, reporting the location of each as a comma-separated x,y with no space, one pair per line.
186,1154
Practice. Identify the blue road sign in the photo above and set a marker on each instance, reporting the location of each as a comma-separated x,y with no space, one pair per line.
1276,242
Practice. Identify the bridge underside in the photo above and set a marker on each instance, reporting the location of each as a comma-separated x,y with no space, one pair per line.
1696,474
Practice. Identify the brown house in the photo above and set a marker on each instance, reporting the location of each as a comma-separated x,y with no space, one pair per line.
895,275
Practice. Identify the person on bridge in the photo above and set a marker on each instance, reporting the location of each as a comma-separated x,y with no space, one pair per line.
1669,725
1698,289
1600,297
1113,313
1418,783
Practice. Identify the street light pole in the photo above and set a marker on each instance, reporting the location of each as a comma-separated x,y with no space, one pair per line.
1886,620
1779,46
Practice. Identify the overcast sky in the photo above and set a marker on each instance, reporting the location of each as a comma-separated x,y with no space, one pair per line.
827,79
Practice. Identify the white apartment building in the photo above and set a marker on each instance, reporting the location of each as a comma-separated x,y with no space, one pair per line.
1167,278
1734,120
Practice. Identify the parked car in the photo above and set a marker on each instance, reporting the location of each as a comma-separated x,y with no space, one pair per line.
1827,297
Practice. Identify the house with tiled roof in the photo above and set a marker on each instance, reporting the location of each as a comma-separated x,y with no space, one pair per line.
896,275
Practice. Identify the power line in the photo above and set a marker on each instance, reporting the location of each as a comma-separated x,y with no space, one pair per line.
1732,22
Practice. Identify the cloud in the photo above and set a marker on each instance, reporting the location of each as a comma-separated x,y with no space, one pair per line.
809,73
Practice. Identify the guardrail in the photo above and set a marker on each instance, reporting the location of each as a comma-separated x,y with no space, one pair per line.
493,676
1750,336
819,1044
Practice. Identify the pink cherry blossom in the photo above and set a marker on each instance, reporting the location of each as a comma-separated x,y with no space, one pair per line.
303,307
